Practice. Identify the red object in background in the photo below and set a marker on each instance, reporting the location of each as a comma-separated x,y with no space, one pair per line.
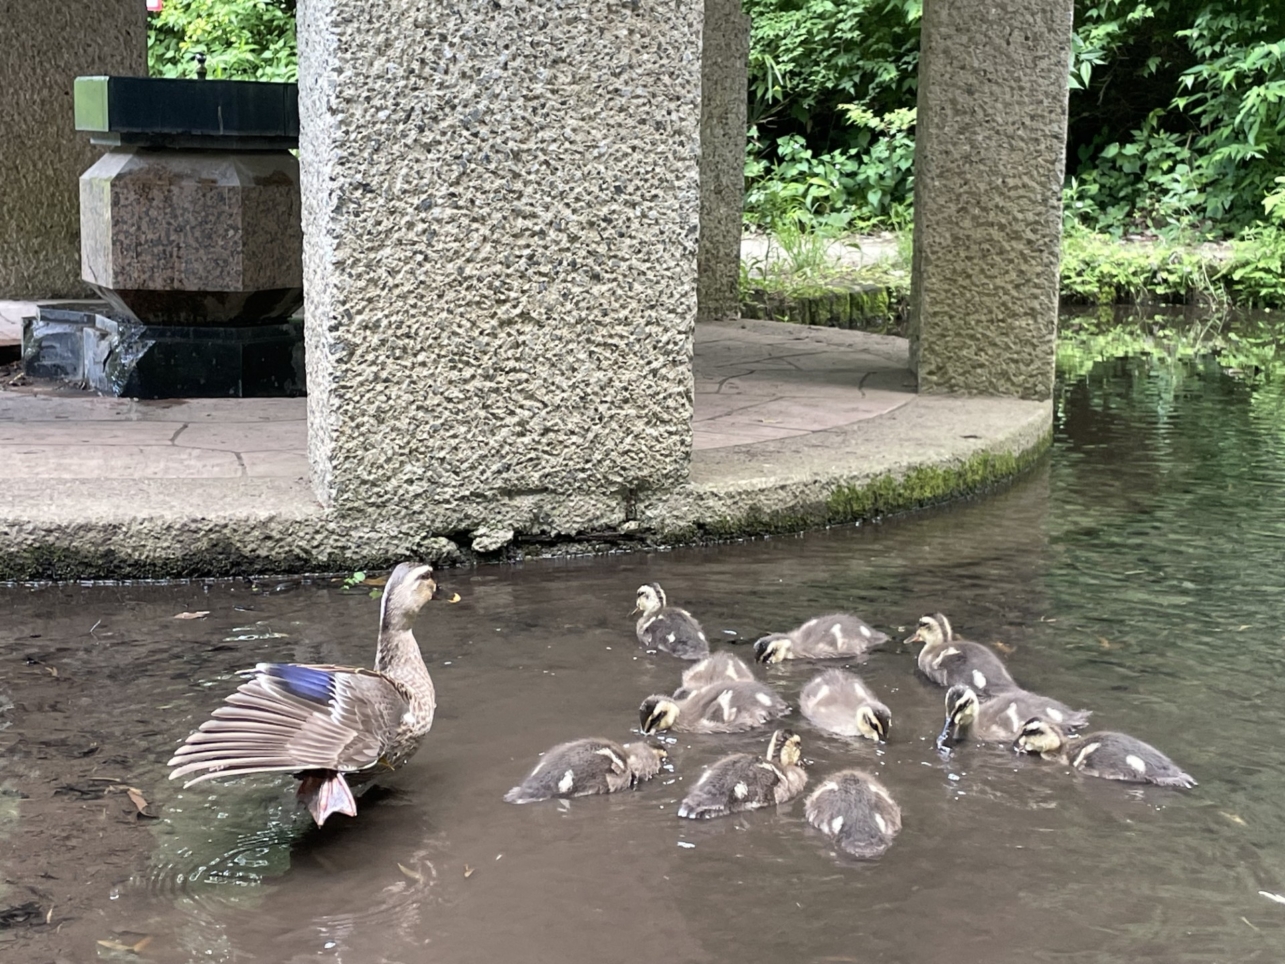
155,6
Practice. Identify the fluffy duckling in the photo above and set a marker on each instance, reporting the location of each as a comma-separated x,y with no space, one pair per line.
948,661
721,708
1001,718
836,636
743,781
668,628
720,667
839,702
1111,756
854,810
581,767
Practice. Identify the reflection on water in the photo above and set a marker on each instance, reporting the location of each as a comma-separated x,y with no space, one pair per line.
1137,573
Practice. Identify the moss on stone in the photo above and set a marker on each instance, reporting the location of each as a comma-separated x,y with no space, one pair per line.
886,495
926,485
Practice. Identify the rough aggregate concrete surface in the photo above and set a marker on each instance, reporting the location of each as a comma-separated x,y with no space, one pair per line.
725,51
990,148
45,47
500,222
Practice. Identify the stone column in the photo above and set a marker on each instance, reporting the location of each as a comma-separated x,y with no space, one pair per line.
43,48
725,52
500,210
990,147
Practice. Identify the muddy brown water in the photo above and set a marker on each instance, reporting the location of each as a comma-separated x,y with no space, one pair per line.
1138,573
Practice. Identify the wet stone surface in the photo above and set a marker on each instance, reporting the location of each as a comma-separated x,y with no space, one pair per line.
1144,586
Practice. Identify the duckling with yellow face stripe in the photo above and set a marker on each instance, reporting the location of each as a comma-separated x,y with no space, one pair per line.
1111,756
743,781
720,708
1000,719
839,702
582,767
948,661
668,628
856,811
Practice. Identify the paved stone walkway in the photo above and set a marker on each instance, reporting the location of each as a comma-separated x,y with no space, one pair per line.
755,381
787,419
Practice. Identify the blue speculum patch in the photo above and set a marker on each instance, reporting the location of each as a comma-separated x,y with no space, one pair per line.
304,681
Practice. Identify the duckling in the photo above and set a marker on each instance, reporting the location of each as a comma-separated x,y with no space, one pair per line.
836,636
720,667
668,628
721,708
1000,719
581,767
947,661
838,701
1111,756
743,781
856,812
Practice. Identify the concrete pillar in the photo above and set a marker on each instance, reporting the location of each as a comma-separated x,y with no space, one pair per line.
990,147
45,46
500,210
725,52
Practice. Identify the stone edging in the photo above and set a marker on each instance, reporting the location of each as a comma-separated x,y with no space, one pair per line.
932,449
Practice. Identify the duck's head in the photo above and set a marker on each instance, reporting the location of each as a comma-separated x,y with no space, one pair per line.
932,630
962,704
657,713
785,748
650,599
773,648
873,722
409,587
1040,736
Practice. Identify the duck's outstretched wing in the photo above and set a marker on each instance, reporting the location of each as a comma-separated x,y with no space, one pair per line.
288,717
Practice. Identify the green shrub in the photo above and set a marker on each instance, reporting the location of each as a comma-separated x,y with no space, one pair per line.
242,39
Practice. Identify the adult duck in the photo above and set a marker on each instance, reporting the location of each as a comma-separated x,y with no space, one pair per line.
331,726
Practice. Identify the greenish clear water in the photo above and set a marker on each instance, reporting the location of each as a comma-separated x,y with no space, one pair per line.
1138,572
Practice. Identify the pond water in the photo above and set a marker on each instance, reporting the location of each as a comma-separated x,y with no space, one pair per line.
1137,572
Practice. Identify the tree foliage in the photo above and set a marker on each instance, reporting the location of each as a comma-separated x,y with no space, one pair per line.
242,39
1176,111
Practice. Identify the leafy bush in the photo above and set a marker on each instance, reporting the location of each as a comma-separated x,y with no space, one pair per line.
1249,273
832,97
242,39
1181,120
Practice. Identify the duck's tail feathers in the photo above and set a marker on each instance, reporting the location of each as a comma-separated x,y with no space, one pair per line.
325,793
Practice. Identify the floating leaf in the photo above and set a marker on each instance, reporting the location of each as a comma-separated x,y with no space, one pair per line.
200,614
468,871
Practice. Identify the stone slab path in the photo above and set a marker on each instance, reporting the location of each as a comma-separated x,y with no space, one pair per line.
755,381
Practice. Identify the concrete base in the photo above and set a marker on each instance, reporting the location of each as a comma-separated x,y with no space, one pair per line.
794,428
